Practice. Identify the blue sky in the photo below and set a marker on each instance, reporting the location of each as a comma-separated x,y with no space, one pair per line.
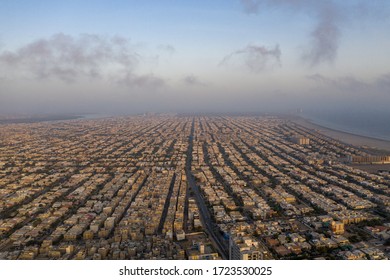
192,55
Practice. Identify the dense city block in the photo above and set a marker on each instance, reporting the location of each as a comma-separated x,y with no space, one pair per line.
187,187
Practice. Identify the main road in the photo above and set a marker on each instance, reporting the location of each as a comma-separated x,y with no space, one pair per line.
210,227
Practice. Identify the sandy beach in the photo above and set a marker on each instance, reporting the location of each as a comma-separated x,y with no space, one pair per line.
349,138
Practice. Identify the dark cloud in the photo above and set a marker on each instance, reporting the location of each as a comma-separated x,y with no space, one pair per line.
192,80
329,15
70,58
325,36
256,58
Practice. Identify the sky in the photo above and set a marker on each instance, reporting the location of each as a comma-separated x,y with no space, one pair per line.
136,56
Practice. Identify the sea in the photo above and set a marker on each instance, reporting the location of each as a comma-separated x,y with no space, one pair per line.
369,124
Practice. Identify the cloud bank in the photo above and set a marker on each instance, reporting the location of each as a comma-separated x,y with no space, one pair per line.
72,58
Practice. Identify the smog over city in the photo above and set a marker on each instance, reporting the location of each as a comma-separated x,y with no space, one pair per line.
169,56
195,130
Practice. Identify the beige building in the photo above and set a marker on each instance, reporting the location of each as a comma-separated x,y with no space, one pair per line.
369,159
337,227
244,248
301,140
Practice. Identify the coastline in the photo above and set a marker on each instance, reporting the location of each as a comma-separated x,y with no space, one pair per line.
48,118
346,137
51,118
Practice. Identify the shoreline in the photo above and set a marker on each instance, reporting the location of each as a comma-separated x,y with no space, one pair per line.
52,118
346,137
40,119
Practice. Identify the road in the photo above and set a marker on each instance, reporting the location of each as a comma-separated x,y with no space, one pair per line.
209,226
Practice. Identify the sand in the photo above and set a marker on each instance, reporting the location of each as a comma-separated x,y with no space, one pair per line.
346,137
